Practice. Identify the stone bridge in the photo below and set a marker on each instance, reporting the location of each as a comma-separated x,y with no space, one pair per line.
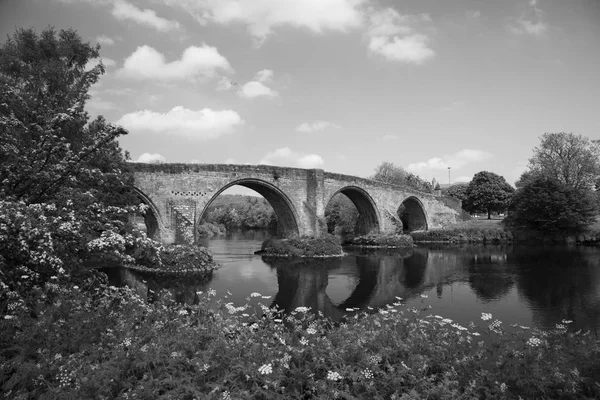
178,195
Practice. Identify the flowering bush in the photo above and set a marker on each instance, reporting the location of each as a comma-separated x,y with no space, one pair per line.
96,341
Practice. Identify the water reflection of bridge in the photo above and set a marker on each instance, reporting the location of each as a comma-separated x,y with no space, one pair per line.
382,276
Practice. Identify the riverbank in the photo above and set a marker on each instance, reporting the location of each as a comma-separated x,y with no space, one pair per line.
101,341
472,231
494,231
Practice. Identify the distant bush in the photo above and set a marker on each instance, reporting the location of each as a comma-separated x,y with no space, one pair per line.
209,229
468,234
325,246
380,241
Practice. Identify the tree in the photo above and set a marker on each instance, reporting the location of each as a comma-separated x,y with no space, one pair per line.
572,160
488,192
458,190
389,172
48,147
548,205
64,186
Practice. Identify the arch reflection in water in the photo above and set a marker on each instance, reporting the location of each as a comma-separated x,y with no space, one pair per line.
528,285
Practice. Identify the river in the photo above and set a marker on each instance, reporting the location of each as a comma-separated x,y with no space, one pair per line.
534,286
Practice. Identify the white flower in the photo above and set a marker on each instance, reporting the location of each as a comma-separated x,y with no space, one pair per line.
424,296
367,373
182,312
311,331
503,387
303,341
333,376
265,369
534,342
255,294
302,309
567,321
486,316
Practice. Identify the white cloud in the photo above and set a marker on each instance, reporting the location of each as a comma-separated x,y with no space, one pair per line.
147,63
256,87
456,160
224,84
392,35
262,16
264,75
103,39
151,158
125,11
202,124
530,22
315,126
285,157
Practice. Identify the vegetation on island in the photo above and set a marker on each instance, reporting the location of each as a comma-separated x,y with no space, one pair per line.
379,240
324,246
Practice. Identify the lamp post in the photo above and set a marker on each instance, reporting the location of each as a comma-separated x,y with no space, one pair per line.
448,178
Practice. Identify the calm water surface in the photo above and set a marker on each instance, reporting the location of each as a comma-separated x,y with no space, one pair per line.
527,285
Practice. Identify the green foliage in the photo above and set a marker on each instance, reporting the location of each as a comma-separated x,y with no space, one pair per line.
458,191
465,233
95,341
325,246
48,148
389,172
381,241
341,215
243,212
547,205
569,159
488,192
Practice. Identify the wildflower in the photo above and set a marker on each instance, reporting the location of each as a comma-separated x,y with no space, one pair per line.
182,312
212,292
367,373
475,334
375,359
503,387
333,376
265,369
566,321
561,326
424,296
349,309
534,342
302,309
447,320
303,341
127,342
311,331
226,395
255,294
486,316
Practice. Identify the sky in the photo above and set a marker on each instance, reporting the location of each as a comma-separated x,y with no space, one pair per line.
341,85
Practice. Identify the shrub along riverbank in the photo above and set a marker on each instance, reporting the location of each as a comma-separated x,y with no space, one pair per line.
94,341
380,240
497,231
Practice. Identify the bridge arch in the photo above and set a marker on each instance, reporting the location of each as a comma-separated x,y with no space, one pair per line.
152,218
412,214
368,214
287,216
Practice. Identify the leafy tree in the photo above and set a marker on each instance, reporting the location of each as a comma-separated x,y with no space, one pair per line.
64,186
488,192
341,215
548,205
389,172
48,147
458,190
572,160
